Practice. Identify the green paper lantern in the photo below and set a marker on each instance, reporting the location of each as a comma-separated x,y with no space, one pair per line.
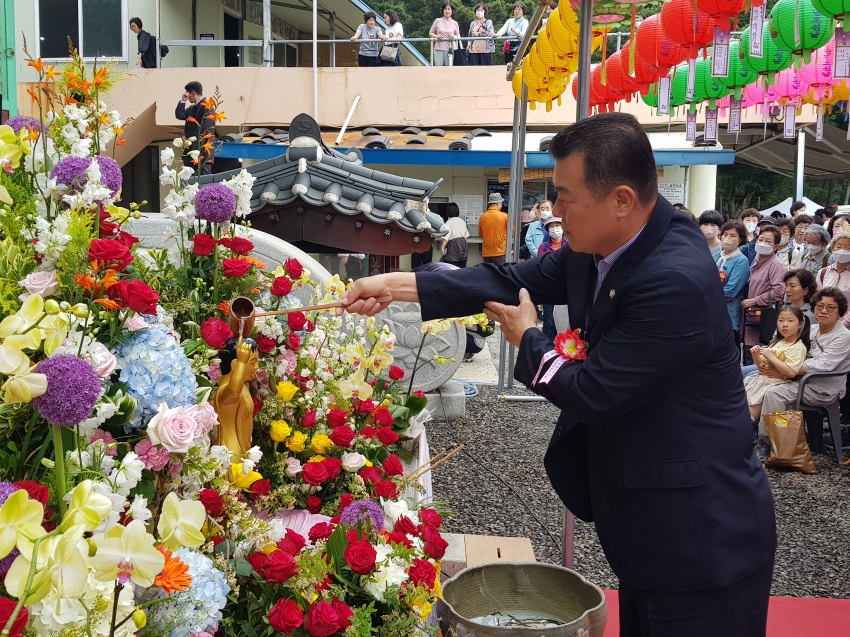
839,9
739,75
679,86
707,87
651,97
815,28
773,60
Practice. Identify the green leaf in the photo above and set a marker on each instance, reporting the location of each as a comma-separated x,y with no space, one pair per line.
242,568
336,546
399,412
248,630
415,404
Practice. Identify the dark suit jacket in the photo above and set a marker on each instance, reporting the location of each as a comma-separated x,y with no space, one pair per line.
654,442
191,129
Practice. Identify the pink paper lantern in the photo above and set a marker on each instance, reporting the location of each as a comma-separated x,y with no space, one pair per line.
818,73
754,96
788,88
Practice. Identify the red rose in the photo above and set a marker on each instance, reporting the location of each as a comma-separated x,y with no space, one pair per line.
212,502
361,556
296,321
386,489
324,585
422,573
405,525
321,531
138,295
265,344
279,567
107,228
203,244
387,436
7,607
258,405
292,543
215,332
35,490
342,436
310,326
419,393
235,267
258,561
400,538
343,613
366,407
285,616
337,418
293,268
368,432
430,518
240,245
382,417
395,372
314,473
435,546
309,419
370,475
392,466
294,341
344,500
127,239
110,253
281,286
313,504
332,466
336,519
260,488
322,619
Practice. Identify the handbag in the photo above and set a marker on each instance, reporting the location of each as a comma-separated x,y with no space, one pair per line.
460,58
788,447
389,52
764,318
507,46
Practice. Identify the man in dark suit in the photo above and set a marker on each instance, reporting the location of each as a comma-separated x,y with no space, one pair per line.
195,111
654,442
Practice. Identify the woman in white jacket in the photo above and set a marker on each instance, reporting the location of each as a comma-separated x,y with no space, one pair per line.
514,28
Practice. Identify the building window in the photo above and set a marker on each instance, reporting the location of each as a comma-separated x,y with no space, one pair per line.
100,25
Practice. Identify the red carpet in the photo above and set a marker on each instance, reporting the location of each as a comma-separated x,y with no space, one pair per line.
787,617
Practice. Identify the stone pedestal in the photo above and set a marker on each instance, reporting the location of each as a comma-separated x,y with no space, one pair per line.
447,401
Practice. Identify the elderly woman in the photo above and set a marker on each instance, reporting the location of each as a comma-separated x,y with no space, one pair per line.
514,28
816,252
444,30
766,283
734,269
481,51
368,34
837,274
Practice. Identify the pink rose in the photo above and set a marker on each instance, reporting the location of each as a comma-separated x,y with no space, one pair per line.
109,442
293,467
215,372
174,428
155,458
205,416
101,359
134,323
175,469
43,283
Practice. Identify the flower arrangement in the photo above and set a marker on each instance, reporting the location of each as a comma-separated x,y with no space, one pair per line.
123,509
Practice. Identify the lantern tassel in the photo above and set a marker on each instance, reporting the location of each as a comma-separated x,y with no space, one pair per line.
632,41
604,55
797,25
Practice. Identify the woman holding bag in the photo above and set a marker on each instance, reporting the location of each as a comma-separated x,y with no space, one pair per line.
481,51
514,28
394,32
766,286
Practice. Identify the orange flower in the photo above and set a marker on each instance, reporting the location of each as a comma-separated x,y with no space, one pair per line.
224,306
217,116
121,142
191,120
70,100
109,304
84,281
50,72
109,279
32,95
260,265
100,76
38,65
174,577
209,103
104,120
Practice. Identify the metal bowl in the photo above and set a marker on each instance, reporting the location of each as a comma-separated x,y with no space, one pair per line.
524,589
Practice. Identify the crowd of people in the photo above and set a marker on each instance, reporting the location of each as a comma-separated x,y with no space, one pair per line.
786,280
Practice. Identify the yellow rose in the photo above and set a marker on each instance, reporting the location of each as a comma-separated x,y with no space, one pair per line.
286,391
241,480
316,459
280,430
321,444
296,442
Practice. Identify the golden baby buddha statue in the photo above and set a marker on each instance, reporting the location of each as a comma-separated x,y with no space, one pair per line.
233,402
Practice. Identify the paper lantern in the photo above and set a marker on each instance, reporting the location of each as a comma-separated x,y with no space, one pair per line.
773,60
739,75
644,72
606,95
838,9
755,95
655,48
815,29
788,88
616,79
721,10
650,98
563,42
594,99
679,85
560,66
818,73
690,30
567,16
707,87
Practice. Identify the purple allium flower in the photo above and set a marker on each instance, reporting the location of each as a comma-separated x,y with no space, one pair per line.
110,173
215,203
72,390
23,121
6,562
6,489
363,511
71,172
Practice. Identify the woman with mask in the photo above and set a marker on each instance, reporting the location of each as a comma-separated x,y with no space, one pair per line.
750,217
734,269
710,222
767,283
481,51
816,254
537,235
836,225
837,274
791,258
554,243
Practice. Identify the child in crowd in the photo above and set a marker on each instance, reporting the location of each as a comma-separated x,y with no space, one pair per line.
787,353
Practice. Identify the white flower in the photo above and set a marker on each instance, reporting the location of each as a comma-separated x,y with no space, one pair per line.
166,156
221,454
194,154
178,142
254,454
185,173
168,175
390,575
139,509
393,509
353,462
81,148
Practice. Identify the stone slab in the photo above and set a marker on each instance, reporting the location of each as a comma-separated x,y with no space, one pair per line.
449,402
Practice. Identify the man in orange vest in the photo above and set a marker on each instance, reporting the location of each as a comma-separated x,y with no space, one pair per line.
493,228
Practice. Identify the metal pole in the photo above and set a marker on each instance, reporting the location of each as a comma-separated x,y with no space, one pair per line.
332,35
315,60
585,41
347,119
158,36
268,58
528,36
801,164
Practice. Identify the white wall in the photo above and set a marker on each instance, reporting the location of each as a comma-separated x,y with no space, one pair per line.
702,189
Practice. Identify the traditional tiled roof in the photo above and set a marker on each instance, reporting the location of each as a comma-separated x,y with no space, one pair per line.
321,176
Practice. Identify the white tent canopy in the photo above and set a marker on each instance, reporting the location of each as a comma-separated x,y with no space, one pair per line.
785,207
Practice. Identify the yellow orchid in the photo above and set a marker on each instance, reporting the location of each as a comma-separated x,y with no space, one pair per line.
355,354
55,330
437,326
63,568
20,519
356,387
305,277
296,442
10,157
379,360
127,553
30,313
286,391
24,386
118,214
321,444
12,359
279,430
180,522
87,508
240,479
334,285
8,135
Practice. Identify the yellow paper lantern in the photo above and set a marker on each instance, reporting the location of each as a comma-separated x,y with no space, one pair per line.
568,17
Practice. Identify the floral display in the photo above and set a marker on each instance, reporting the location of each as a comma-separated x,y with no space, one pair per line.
177,457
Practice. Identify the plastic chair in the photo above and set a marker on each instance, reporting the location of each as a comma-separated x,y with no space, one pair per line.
831,412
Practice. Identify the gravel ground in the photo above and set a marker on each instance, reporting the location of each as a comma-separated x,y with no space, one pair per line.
509,439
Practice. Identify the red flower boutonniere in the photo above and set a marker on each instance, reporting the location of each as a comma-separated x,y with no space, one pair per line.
570,345
723,276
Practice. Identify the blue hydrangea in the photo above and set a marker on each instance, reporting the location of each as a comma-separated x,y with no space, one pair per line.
156,370
194,610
